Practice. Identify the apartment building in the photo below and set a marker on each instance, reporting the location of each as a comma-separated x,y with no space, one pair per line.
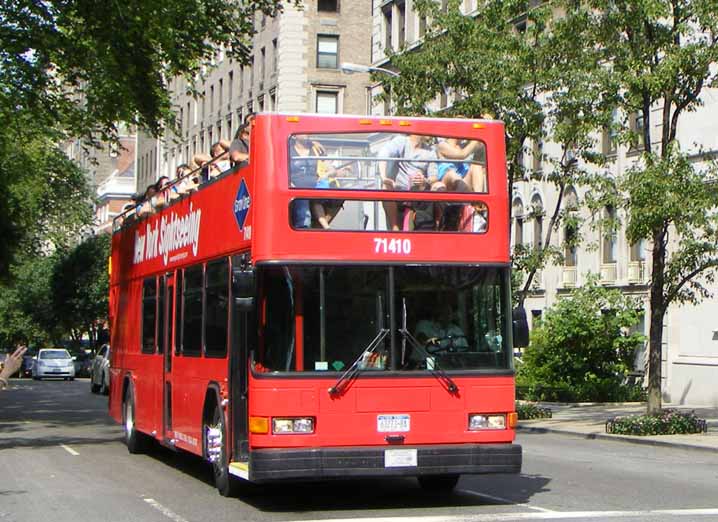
111,174
690,350
295,67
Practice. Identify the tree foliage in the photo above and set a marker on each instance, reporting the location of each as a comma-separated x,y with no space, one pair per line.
526,68
581,349
662,55
57,297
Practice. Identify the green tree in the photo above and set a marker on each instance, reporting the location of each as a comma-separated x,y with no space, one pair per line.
80,288
662,56
527,69
581,350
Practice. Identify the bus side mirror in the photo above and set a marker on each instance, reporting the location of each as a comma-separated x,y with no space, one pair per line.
520,327
243,289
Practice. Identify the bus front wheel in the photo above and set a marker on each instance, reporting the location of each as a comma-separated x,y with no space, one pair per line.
215,443
438,483
136,441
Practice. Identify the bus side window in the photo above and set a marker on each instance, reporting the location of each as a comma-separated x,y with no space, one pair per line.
192,311
149,314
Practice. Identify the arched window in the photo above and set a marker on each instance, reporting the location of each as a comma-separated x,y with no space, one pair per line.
537,211
517,209
570,229
609,236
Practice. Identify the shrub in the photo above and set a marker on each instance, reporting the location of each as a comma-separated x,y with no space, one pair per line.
527,410
581,350
668,422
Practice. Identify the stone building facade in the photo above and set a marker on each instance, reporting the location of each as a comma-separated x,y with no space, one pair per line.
295,67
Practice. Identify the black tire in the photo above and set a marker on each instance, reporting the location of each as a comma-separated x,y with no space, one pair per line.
227,485
104,390
136,441
438,483
94,388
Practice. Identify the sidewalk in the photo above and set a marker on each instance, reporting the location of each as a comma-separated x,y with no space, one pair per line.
589,420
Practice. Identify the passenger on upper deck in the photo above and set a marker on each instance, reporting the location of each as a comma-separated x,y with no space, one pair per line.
413,173
187,183
165,193
239,148
457,176
303,174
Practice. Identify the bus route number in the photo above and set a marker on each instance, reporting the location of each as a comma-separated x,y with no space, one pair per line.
383,245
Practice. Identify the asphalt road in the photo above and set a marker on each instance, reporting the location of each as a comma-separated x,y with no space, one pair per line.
62,459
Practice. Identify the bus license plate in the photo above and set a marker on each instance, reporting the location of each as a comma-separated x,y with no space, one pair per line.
392,423
399,458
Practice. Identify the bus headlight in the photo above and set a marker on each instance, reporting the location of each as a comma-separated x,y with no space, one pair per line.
480,421
295,425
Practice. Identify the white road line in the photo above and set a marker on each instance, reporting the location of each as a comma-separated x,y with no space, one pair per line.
69,450
651,514
165,511
502,500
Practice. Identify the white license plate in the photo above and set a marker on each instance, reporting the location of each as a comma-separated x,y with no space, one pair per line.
56,370
399,458
392,423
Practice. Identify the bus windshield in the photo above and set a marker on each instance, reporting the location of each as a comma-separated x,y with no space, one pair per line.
323,318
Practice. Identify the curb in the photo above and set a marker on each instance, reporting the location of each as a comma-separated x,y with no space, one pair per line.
621,438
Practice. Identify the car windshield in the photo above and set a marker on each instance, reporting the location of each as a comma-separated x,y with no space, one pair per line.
55,354
437,317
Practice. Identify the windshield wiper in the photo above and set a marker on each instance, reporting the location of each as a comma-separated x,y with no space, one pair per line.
355,369
436,370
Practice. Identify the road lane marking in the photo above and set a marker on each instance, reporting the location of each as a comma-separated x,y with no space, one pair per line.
651,514
69,450
502,500
164,510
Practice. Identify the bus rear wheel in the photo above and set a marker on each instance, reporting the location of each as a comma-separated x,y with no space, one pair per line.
215,443
438,483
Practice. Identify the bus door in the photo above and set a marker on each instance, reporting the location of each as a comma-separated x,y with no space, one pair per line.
166,339
242,316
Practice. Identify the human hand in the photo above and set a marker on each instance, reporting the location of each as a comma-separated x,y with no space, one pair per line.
14,361
418,181
388,183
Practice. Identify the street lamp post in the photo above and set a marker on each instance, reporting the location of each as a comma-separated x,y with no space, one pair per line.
355,67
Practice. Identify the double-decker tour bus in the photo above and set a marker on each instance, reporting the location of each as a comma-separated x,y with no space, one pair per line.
338,306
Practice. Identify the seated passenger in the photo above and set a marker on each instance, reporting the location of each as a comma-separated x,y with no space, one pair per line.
239,148
146,206
458,176
411,173
303,174
164,193
220,157
186,183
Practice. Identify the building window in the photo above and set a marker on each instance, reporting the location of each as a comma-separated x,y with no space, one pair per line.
327,102
537,211
211,99
537,154
517,209
328,6
610,136
275,56
570,231
637,126
327,51
422,25
401,23
638,251
230,86
262,65
387,12
609,236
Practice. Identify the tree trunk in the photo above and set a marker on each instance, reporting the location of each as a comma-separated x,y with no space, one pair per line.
658,311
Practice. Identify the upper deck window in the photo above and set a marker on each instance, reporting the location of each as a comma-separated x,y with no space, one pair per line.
384,161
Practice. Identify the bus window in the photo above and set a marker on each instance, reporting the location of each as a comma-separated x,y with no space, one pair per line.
160,314
216,312
149,314
178,311
458,315
192,311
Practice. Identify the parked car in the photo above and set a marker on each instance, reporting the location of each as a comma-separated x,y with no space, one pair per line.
53,362
28,361
100,374
83,364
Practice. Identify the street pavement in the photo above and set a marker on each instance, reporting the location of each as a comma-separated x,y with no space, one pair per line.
588,420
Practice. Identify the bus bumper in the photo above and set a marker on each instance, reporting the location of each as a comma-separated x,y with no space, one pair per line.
266,465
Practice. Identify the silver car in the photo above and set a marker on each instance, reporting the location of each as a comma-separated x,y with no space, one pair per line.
53,362
100,372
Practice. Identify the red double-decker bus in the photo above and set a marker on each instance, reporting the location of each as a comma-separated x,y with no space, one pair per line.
337,307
